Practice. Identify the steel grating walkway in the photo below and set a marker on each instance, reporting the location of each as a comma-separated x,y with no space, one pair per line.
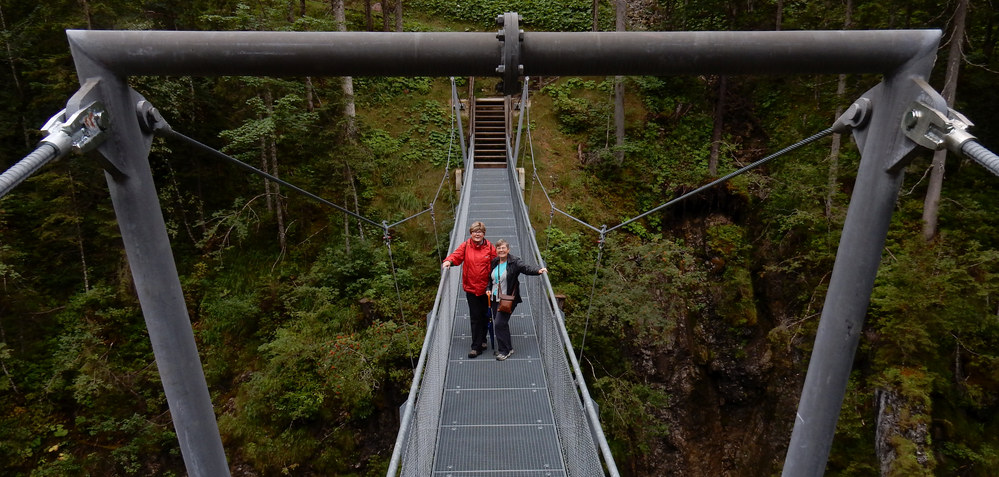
496,417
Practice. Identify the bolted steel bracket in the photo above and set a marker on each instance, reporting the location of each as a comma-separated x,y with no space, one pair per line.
856,118
921,122
150,119
932,129
511,36
82,125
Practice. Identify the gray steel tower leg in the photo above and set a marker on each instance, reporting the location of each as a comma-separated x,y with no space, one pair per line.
885,151
154,272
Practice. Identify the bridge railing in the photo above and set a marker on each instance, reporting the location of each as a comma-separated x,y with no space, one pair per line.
577,423
416,442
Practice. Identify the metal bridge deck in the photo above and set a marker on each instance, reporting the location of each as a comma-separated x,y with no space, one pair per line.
497,418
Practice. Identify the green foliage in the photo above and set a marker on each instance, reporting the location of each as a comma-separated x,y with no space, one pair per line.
913,308
634,411
357,365
381,90
575,114
305,381
734,293
853,447
571,15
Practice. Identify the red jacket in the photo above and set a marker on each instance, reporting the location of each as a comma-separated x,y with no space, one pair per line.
476,257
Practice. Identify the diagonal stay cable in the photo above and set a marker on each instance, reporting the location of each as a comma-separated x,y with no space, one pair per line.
593,289
720,180
168,131
535,178
447,165
221,155
729,176
534,166
604,230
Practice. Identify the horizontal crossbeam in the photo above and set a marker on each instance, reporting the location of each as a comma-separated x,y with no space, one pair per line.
479,54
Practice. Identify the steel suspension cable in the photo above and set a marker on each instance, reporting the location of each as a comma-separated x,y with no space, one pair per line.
535,179
603,231
24,168
982,156
534,166
168,131
729,176
593,289
387,238
447,165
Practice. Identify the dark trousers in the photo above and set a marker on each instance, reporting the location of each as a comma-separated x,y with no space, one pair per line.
477,306
501,326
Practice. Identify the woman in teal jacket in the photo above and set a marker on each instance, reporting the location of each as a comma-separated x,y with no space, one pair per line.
504,278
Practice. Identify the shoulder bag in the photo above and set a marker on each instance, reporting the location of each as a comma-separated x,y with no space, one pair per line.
505,303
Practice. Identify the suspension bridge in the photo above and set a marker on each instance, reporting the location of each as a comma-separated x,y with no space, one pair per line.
536,405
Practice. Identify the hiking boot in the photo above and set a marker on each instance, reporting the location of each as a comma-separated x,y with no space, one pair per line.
473,353
503,356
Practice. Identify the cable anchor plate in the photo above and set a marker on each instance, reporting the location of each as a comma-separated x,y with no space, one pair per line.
932,129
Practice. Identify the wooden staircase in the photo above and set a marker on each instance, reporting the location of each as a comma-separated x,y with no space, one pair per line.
489,129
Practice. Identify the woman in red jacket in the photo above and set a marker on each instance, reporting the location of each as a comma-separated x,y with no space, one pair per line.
475,253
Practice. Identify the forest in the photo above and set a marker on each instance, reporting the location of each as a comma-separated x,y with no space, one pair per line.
694,327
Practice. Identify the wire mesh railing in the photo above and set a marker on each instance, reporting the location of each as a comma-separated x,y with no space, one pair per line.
581,440
417,439
414,451
577,424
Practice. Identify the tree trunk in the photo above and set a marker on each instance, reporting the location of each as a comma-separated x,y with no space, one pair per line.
621,14
278,203
596,11
271,167
87,14
837,139
386,23
263,167
357,205
898,427
349,108
180,202
716,132
17,83
346,228
369,23
79,231
780,15
309,91
931,205
398,16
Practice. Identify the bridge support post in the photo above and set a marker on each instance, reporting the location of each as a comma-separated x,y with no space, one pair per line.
150,258
884,153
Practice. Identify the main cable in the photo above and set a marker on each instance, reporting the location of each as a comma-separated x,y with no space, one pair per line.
23,169
729,176
168,131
